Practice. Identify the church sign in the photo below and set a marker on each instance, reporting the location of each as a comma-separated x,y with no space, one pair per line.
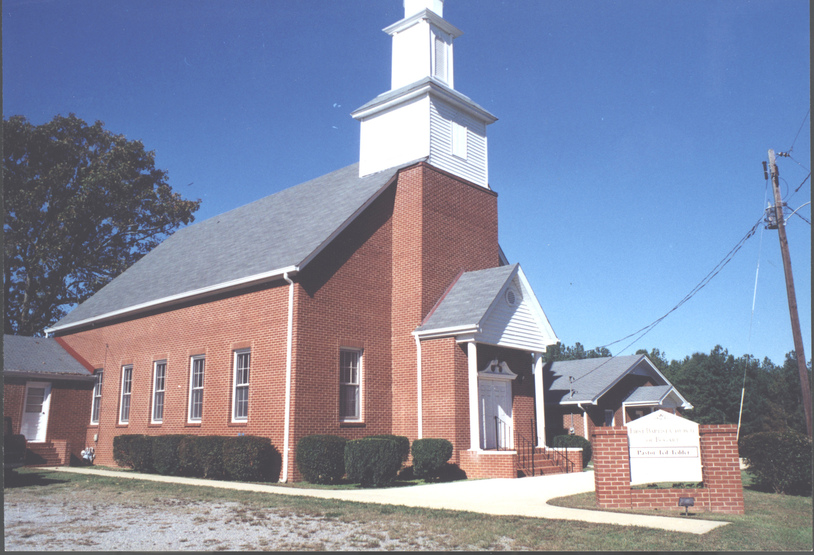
664,448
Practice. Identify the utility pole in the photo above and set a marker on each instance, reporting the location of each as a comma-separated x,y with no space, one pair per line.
795,319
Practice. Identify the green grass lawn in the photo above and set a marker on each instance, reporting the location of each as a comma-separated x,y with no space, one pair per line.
772,522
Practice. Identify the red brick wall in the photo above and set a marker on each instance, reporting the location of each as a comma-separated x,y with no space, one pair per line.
441,227
484,464
722,491
13,393
215,329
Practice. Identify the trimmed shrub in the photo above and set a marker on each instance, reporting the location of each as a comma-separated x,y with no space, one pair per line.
372,461
430,457
403,441
165,454
779,461
122,449
321,458
202,457
134,451
575,441
251,459
141,453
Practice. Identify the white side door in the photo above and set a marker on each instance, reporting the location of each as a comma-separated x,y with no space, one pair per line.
34,424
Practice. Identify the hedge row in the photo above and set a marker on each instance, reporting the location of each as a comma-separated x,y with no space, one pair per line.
779,461
241,458
370,461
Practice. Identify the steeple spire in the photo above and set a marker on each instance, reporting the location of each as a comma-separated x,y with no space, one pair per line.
423,116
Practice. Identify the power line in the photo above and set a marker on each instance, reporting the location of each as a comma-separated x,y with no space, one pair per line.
801,128
714,272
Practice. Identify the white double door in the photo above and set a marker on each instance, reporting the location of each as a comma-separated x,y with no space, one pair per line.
495,414
34,424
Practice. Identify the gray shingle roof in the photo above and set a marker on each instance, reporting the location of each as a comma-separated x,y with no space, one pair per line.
591,377
280,231
468,300
39,355
648,394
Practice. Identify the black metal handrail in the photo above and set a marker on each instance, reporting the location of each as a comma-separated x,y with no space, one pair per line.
526,455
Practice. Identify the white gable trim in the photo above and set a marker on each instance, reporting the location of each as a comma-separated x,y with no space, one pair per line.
479,331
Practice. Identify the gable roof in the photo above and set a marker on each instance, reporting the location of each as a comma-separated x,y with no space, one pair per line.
40,357
257,242
473,306
590,378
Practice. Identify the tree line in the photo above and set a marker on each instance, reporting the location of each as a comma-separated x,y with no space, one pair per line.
713,382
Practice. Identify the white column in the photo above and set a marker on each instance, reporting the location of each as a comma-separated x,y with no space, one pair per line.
474,424
539,399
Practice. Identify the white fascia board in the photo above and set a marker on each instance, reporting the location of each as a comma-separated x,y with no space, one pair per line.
457,331
536,307
426,86
180,297
47,377
352,217
430,16
593,401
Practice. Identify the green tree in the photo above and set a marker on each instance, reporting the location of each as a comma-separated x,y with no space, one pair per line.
81,205
786,395
577,352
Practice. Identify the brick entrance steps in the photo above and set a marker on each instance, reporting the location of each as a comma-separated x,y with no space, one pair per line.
47,454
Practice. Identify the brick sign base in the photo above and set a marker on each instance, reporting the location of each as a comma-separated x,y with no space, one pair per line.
722,491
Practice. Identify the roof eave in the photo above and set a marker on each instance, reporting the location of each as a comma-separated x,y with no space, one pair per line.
172,300
46,376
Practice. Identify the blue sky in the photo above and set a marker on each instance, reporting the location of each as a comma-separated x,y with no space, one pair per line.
627,154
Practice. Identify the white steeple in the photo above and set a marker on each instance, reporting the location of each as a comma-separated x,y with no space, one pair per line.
423,116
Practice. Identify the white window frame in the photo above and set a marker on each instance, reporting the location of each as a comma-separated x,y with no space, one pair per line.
159,391
350,382
241,386
126,395
196,388
96,404
459,139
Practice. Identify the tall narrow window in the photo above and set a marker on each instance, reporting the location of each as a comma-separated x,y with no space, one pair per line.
240,404
196,385
97,396
350,371
127,388
159,385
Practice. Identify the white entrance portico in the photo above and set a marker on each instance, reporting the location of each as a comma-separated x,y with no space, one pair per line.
494,309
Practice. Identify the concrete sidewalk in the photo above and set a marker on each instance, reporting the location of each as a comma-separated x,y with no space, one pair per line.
519,497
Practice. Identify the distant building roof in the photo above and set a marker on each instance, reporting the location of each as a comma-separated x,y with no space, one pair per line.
648,394
586,380
250,244
40,357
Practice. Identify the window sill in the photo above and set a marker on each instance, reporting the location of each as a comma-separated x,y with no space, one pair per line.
351,424
193,424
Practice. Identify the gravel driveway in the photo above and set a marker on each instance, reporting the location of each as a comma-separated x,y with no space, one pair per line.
78,520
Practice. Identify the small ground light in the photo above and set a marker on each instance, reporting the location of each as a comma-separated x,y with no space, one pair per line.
686,502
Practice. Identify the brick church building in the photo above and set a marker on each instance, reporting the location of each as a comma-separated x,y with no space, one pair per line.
374,299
